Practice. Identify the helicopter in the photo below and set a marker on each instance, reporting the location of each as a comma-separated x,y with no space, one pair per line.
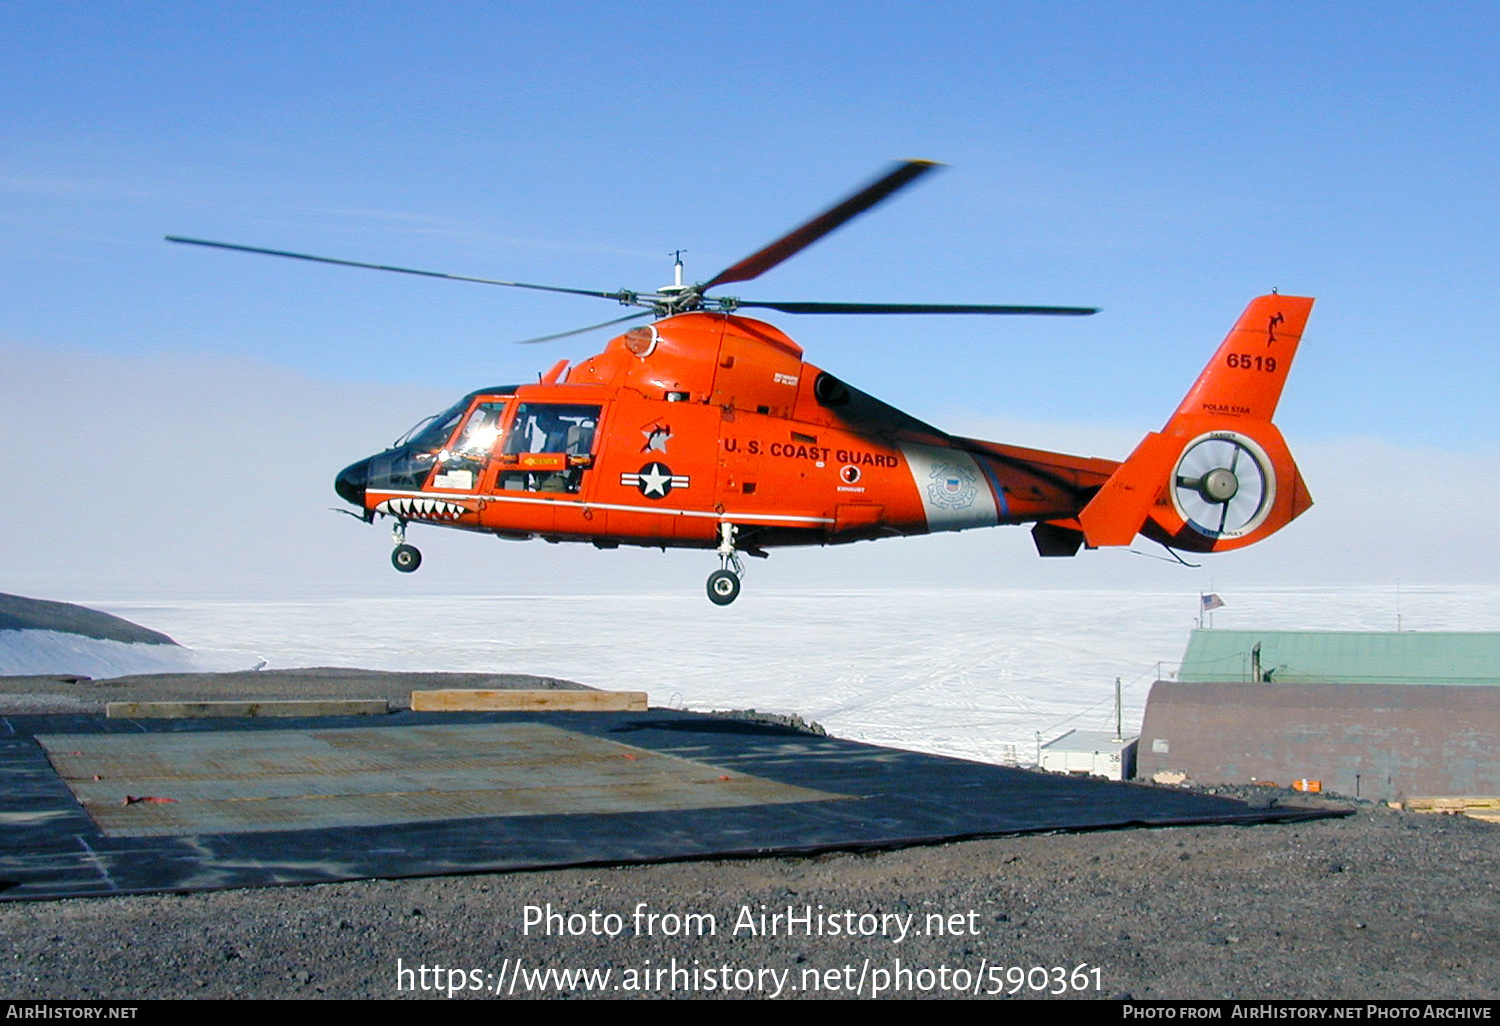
707,429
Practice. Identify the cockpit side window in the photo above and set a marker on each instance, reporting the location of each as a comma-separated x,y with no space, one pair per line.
480,431
464,460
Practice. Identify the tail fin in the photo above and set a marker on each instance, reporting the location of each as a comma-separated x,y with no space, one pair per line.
1218,475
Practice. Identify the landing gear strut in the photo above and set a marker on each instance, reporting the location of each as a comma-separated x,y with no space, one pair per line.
405,558
724,583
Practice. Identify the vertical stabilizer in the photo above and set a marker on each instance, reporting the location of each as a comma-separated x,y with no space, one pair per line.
1245,377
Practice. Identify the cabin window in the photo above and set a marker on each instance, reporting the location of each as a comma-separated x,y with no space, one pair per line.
548,447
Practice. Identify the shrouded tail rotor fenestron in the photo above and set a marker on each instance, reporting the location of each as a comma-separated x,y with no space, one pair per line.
1223,485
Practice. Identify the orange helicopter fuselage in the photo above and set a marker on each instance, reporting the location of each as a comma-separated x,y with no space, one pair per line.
707,419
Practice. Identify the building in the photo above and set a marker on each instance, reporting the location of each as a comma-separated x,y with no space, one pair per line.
1375,715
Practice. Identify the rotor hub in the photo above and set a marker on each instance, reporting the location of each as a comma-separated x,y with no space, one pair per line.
1219,485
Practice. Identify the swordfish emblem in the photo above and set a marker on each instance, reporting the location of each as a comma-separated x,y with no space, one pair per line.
657,436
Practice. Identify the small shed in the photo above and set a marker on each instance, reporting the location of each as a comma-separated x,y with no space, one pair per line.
1099,753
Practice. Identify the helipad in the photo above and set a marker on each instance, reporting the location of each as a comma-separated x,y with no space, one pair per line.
94,806
217,782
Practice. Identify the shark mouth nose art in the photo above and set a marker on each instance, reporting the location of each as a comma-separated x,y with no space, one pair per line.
422,509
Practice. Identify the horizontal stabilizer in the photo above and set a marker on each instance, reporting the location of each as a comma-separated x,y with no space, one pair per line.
1115,515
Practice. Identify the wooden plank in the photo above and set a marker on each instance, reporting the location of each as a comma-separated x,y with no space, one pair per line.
480,700
1470,804
269,707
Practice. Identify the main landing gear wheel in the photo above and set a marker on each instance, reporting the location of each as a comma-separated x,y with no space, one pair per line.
406,558
724,583
723,587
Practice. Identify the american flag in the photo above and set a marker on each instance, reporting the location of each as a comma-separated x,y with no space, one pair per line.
1211,602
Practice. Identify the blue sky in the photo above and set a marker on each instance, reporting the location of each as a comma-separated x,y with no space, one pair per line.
1165,162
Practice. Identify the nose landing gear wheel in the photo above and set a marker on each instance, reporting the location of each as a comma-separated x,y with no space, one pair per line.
723,587
406,558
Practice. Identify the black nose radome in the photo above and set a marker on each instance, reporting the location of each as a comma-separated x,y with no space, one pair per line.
351,482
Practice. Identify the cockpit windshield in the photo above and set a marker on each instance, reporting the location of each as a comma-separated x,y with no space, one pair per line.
418,426
431,433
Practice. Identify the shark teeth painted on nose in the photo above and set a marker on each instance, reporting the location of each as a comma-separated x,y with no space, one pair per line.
422,509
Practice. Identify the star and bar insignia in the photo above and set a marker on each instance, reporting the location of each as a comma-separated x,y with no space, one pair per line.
655,480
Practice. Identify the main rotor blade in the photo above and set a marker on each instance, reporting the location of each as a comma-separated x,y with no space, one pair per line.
795,241
918,308
622,297
580,331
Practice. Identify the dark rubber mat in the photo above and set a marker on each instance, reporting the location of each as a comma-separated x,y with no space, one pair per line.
133,806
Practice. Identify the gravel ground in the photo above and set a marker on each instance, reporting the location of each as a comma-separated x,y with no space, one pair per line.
1377,905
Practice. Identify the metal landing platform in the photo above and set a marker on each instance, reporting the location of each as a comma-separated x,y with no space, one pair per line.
94,806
